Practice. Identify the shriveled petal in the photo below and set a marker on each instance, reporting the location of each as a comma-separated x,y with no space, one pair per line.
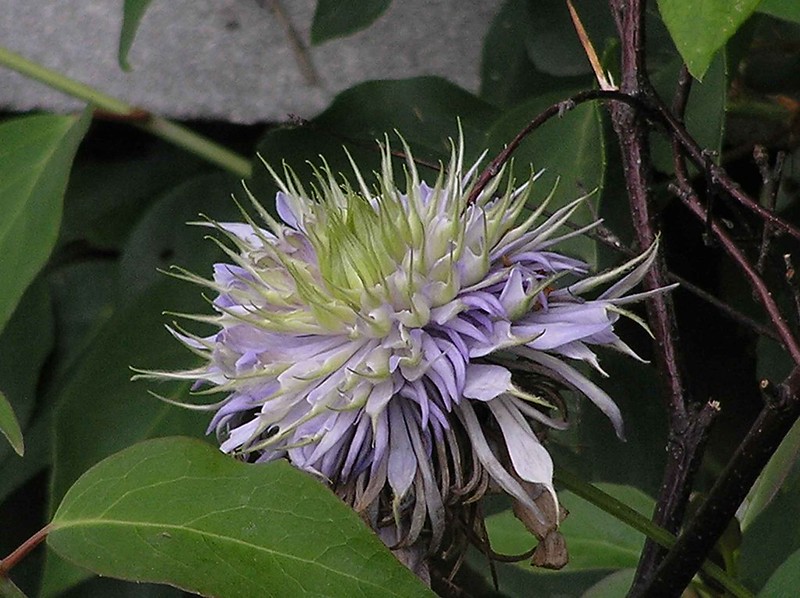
490,462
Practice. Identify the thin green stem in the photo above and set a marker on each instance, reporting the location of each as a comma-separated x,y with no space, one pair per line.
640,523
9,590
160,127
198,145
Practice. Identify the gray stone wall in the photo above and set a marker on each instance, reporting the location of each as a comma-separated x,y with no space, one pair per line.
234,59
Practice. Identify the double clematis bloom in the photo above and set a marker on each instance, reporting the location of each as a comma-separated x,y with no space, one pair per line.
379,339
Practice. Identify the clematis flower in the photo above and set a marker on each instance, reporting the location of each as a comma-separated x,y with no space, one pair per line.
379,340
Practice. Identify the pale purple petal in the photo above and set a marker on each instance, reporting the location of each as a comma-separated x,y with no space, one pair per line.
531,461
485,382
402,459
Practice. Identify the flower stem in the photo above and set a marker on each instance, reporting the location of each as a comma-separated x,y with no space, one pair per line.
640,523
169,131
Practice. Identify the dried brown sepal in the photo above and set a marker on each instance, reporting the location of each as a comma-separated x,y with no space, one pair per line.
551,552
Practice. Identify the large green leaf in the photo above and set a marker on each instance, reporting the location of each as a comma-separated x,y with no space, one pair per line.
132,14
773,476
783,9
595,539
334,18
25,344
9,426
9,590
84,299
785,580
162,237
508,74
424,110
177,511
552,42
616,584
700,28
115,182
15,472
570,150
591,448
772,536
36,155
101,411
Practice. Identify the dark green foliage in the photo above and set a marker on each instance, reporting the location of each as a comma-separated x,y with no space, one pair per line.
81,301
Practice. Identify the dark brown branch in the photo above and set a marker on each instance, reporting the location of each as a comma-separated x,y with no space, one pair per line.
558,109
632,132
603,235
719,177
773,423
690,199
688,431
697,540
790,275
771,179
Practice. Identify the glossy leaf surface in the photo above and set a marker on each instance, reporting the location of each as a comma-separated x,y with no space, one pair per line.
700,28
178,511
36,154
9,426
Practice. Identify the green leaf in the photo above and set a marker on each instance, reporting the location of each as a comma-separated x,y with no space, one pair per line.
162,238
334,18
552,42
84,297
9,426
597,451
508,74
132,14
424,110
773,476
700,28
177,511
785,580
788,10
38,455
773,536
36,155
113,185
616,584
101,411
595,539
25,344
9,590
570,149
